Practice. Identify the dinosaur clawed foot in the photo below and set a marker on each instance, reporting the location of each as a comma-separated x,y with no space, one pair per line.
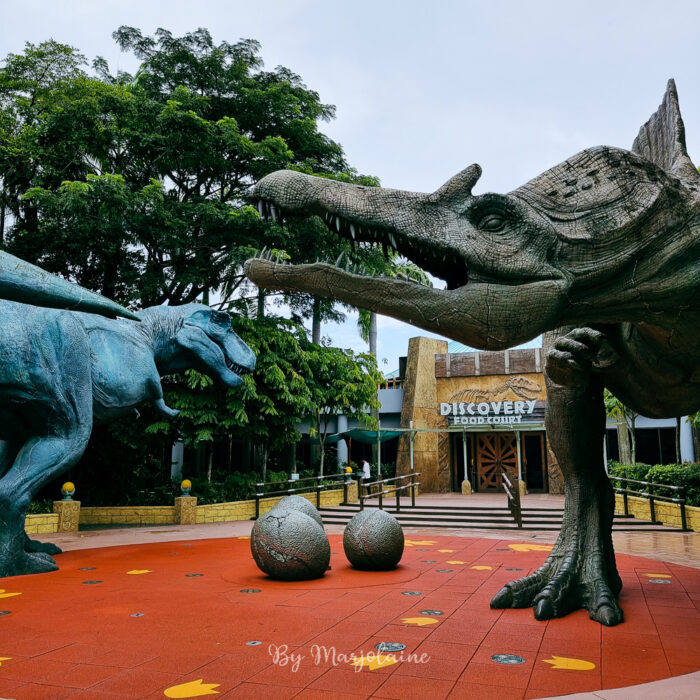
45,547
27,563
555,593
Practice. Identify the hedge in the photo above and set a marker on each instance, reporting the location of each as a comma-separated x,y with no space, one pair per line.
686,475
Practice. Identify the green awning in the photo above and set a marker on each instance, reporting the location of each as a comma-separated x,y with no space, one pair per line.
370,436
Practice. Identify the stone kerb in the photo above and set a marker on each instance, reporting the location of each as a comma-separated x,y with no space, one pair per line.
668,513
68,515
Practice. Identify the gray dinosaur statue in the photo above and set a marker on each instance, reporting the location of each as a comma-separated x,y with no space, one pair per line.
29,284
60,371
601,254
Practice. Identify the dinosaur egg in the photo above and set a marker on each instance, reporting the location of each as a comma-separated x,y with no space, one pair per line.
373,540
289,545
301,504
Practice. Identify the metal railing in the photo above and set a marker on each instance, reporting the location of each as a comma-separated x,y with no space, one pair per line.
652,497
364,490
320,483
512,489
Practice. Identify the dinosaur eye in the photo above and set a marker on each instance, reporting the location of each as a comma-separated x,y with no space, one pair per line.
492,222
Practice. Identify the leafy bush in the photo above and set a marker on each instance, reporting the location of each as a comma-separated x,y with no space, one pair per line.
40,507
629,471
686,475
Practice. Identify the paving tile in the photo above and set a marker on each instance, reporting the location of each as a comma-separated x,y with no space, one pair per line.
315,694
293,675
444,669
32,691
362,682
180,662
445,650
474,691
411,688
254,691
496,674
135,682
564,681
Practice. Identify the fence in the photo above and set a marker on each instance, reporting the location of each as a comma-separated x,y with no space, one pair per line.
365,494
649,495
512,489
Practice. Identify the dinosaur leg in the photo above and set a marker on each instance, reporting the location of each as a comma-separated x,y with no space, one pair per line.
31,545
581,570
39,460
8,452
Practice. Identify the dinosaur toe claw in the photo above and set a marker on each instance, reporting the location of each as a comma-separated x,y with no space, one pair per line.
544,609
502,599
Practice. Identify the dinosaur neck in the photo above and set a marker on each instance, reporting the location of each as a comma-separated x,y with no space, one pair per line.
158,329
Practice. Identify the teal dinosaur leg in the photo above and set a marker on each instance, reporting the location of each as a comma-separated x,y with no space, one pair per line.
39,461
581,570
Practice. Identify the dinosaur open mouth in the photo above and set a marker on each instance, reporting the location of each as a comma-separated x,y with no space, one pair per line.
237,369
437,258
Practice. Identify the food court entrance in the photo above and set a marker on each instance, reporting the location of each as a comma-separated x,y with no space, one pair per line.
488,454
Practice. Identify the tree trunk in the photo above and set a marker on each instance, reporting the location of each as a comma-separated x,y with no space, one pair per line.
373,334
210,464
373,352
623,441
261,303
322,457
316,322
678,439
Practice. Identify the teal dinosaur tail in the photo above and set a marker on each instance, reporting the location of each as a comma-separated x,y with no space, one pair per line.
21,281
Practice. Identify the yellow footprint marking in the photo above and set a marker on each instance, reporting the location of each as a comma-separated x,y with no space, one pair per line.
455,561
658,575
4,658
412,543
482,568
420,621
193,689
7,595
374,661
564,663
531,547
446,550
136,572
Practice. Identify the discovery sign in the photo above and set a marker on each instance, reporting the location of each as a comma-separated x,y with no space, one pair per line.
493,412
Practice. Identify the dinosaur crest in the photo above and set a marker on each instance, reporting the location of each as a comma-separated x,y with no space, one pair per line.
662,139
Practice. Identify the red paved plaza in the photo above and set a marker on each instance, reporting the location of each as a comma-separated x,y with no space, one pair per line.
197,618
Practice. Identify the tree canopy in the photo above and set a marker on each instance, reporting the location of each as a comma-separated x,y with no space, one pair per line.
135,186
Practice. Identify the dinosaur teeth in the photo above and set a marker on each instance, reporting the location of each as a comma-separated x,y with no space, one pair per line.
261,208
352,231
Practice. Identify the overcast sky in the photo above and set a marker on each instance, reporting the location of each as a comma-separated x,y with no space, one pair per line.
423,89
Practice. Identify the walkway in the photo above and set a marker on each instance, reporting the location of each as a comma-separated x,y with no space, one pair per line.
162,612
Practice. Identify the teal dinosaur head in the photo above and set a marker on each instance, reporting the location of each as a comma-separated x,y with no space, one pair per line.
195,336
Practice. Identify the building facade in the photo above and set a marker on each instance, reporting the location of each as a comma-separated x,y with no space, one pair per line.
476,414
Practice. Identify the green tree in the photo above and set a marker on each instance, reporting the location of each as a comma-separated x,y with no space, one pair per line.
341,382
625,418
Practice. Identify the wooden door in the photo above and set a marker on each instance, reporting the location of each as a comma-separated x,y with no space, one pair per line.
494,453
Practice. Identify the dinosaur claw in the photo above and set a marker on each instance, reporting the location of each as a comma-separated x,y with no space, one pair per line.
607,615
544,609
502,599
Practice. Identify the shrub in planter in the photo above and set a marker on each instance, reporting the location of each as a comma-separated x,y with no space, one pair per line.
686,475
